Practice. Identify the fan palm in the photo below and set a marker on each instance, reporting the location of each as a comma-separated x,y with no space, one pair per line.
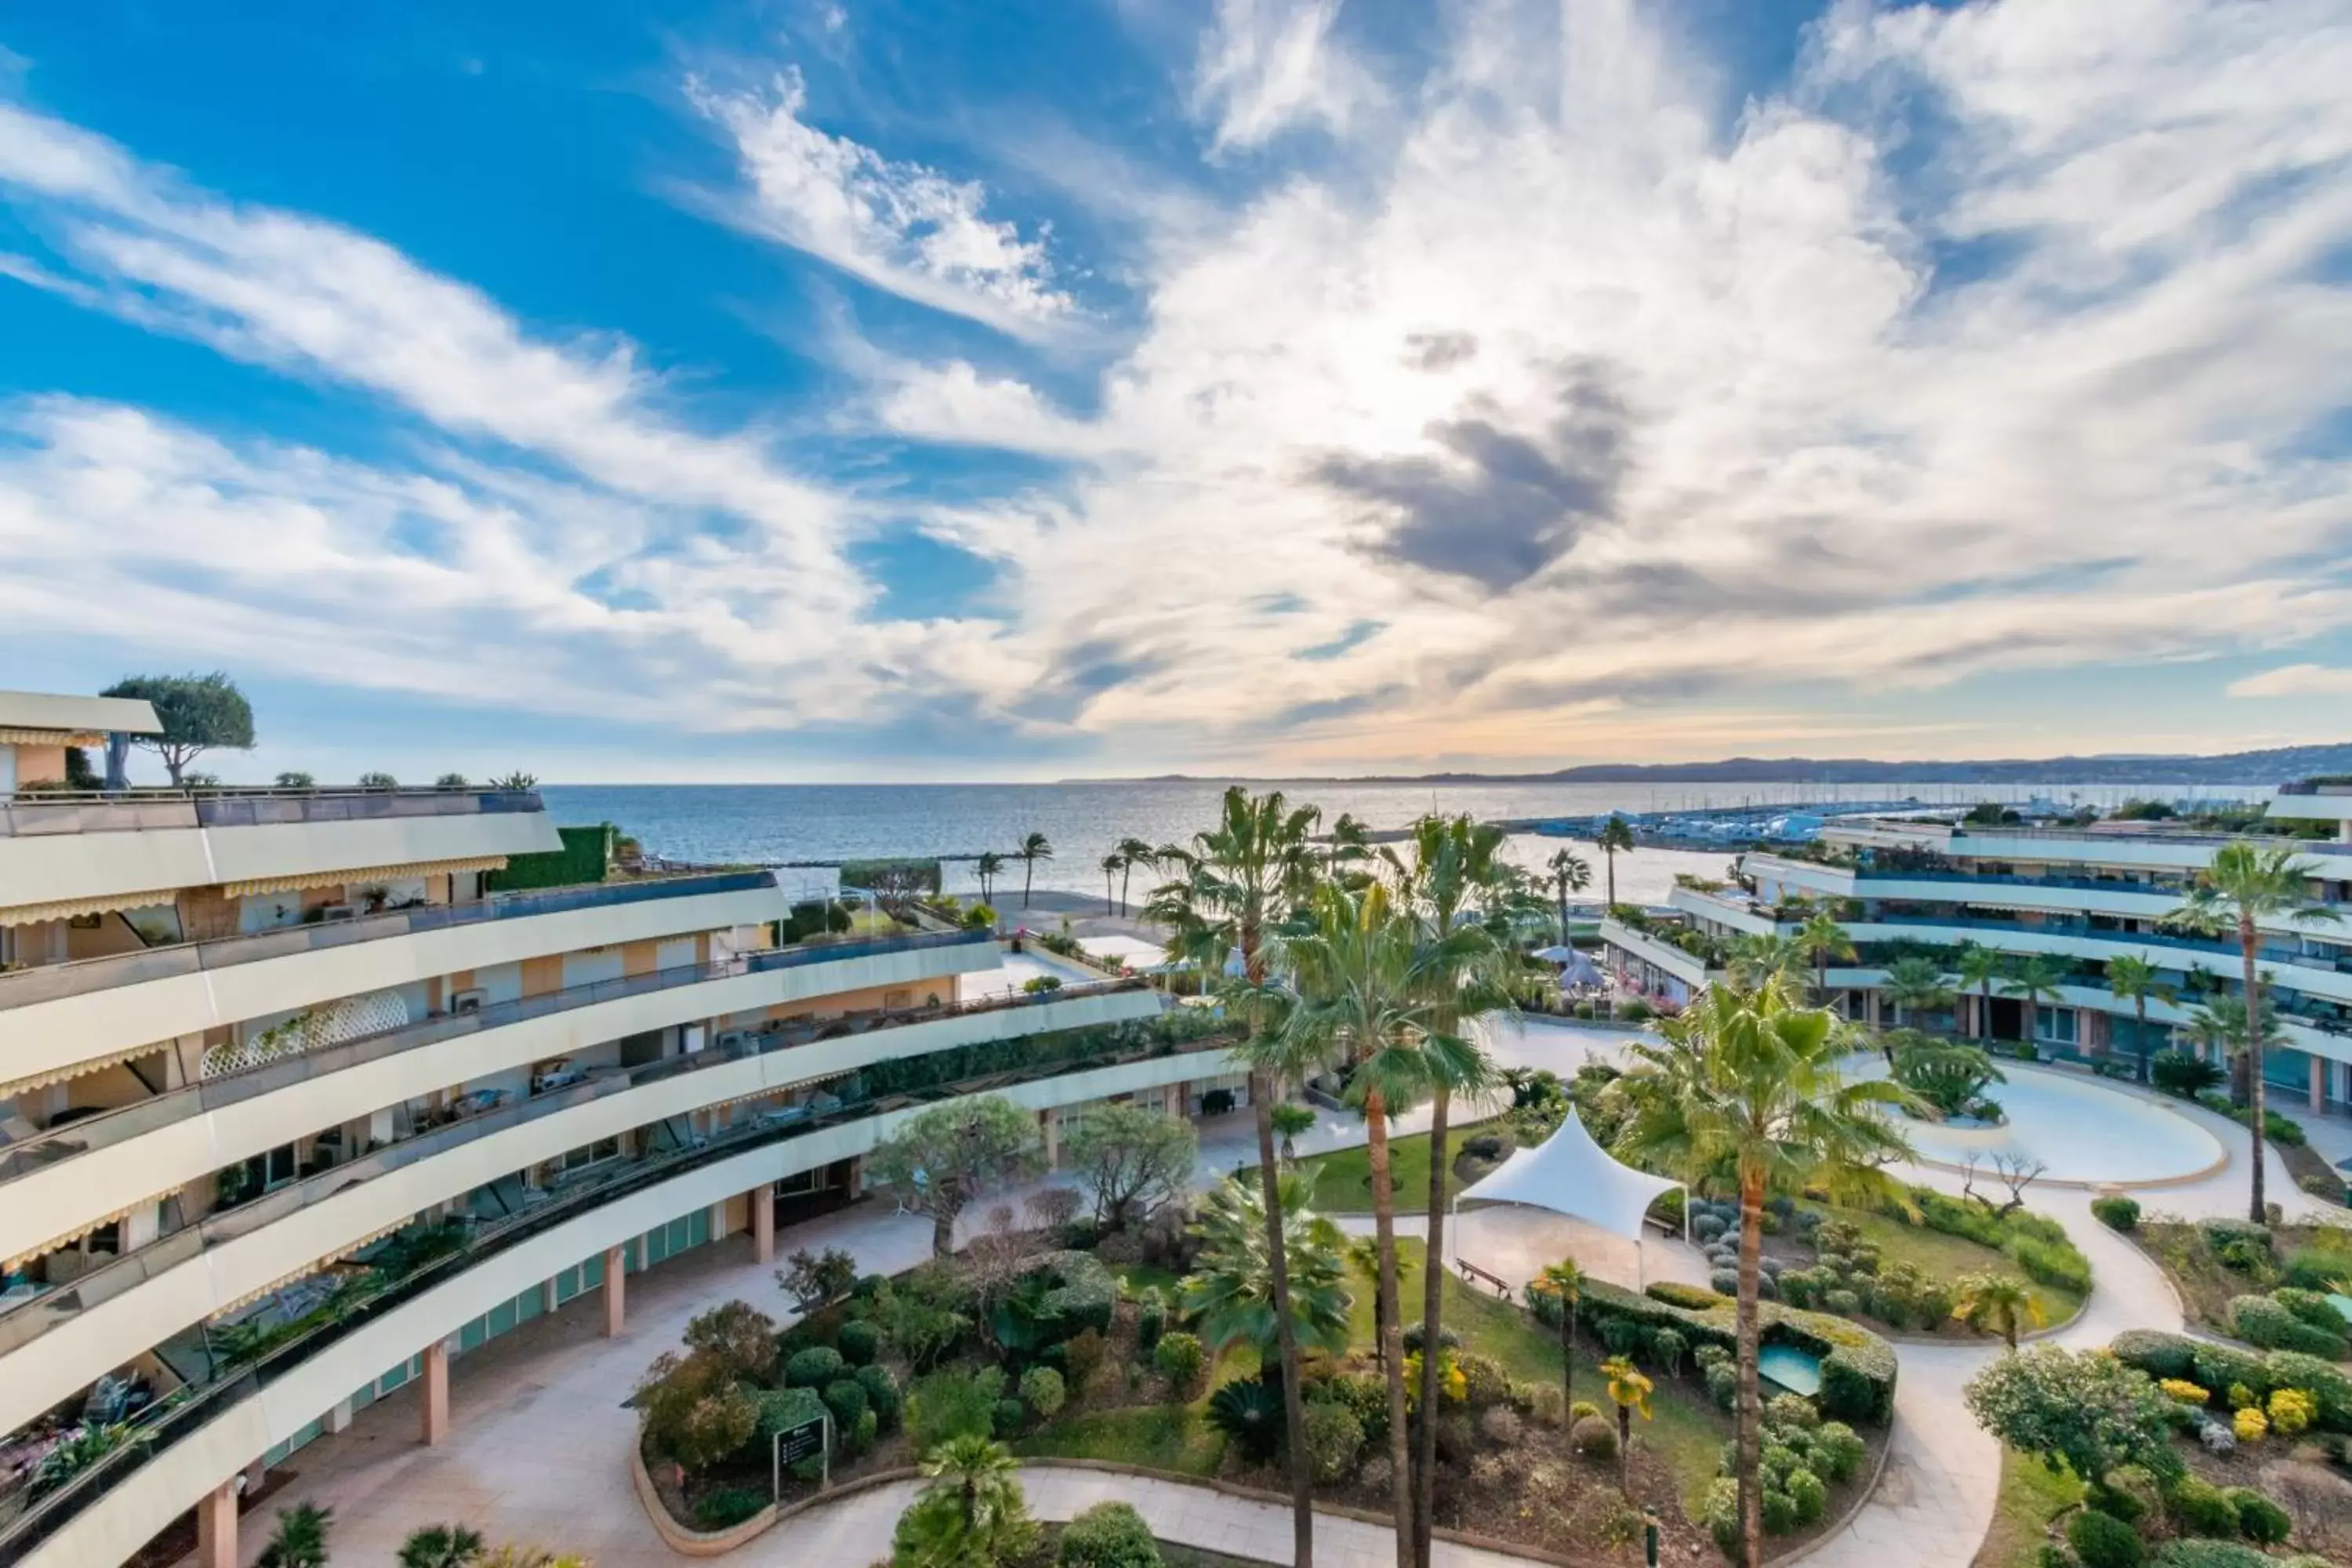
441,1546
1915,984
990,867
1111,867
1975,967
1564,1283
1997,1304
2034,982
2134,979
1616,835
971,1515
1570,874
1131,853
1289,1121
298,1539
2245,886
1227,890
1629,1391
1743,1091
1231,1288
1823,941
1350,840
1752,959
1034,847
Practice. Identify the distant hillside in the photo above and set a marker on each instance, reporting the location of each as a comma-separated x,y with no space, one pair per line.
2266,769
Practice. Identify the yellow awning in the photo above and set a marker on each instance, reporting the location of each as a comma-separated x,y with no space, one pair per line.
51,738
67,909
16,1086
361,874
70,1238
250,1297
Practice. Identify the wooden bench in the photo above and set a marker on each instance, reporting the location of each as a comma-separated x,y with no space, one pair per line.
1471,1271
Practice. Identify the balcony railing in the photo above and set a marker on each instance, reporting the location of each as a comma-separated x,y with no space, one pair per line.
189,1409
27,816
2226,950
49,982
116,1127
27,1320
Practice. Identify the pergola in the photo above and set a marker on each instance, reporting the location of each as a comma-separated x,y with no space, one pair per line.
1570,1174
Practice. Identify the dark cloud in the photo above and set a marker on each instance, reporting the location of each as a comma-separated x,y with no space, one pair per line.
1439,351
1085,673
1497,507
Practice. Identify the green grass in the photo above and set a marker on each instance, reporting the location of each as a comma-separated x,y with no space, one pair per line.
1343,1178
2031,1497
1940,1257
1164,1437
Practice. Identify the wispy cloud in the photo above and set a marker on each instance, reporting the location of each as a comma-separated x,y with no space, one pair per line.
1270,65
2295,680
901,227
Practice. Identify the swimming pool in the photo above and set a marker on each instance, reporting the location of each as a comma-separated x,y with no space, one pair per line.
2081,1129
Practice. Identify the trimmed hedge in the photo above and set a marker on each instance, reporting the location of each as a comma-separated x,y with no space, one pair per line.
2216,1367
2268,1324
1085,1291
1674,1293
2160,1354
1858,1368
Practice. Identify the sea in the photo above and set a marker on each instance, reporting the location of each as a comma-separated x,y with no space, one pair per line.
1084,820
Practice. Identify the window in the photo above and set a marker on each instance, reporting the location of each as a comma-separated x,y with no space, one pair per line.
589,1154
2054,1025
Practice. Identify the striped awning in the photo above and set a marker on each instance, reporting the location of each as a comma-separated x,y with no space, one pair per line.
51,738
67,908
361,874
70,1238
314,1266
16,1086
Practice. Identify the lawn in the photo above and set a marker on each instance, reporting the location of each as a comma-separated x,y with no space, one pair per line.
1177,1439
1343,1178
1685,1430
2031,1497
1939,1256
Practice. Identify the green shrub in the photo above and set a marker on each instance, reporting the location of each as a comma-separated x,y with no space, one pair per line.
2260,1519
1085,1291
2196,1507
2326,1383
1108,1535
845,1398
2117,1212
1791,1410
882,1395
859,1341
1838,1451
952,1403
1007,1417
1723,1384
2318,1267
1335,1440
1811,1498
1720,1515
1844,1303
2055,1264
2312,1307
1181,1360
814,1367
2265,1322
1250,1414
1042,1390
2221,1234
2210,1554
1779,1512
1594,1438
2220,1367
2160,1354
727,1507
2101,1541
1366,1395
862,1435
1674,1293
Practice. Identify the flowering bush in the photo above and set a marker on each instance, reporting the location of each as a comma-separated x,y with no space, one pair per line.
2292,1411
2250,1426
2183,1389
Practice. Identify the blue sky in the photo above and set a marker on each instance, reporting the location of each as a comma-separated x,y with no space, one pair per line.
838,391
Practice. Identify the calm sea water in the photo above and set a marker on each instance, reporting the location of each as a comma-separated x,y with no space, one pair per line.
772,823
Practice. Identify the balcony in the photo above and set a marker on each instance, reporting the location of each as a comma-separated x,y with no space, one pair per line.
105,1317
57,1018
188,1443
74,1176
115,851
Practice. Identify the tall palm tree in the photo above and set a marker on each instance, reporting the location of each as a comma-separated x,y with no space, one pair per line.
1034,847
1616,835
1975,967
1915,984
441,1546
1364,972
1997,1304
1570,874
1111,867
991,865
2245,886
1456,866
1823,941
1564,1282
2134,979
1743,1091
1131,853
1227,889
2033,981
2221,1024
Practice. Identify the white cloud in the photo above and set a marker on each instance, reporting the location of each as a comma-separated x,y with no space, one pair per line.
1269,66
898,225
2295,680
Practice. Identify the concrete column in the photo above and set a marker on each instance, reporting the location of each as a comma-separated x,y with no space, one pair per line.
857,1178
1052,1127
338,1419
763,1224
217,1527
2086,1031
546,1299
719,1220
2318,1083
616,1291
436,1393
255,1474
1870,1008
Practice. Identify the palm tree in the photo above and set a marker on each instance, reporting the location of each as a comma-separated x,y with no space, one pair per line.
1755,958
2245,886
1570,874
1231,1288
298,1539
1034,848
1290,1120
1916,984
1616,835
441,1546
973,1515
1364,1258
1744,1091
1111,867
991,865
1131,853
2221,1024
1364,990
1977,966
2033,981
1997,1304
1629,1391
1350,840
1823,939
2134,980
1227,889
1564,1282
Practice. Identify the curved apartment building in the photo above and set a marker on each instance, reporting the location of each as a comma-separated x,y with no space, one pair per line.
2075,897
298,1104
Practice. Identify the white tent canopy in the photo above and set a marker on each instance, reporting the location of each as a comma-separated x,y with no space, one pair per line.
1570,1174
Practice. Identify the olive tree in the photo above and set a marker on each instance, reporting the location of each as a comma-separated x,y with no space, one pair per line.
1134,1159
2088,1410
943,1158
